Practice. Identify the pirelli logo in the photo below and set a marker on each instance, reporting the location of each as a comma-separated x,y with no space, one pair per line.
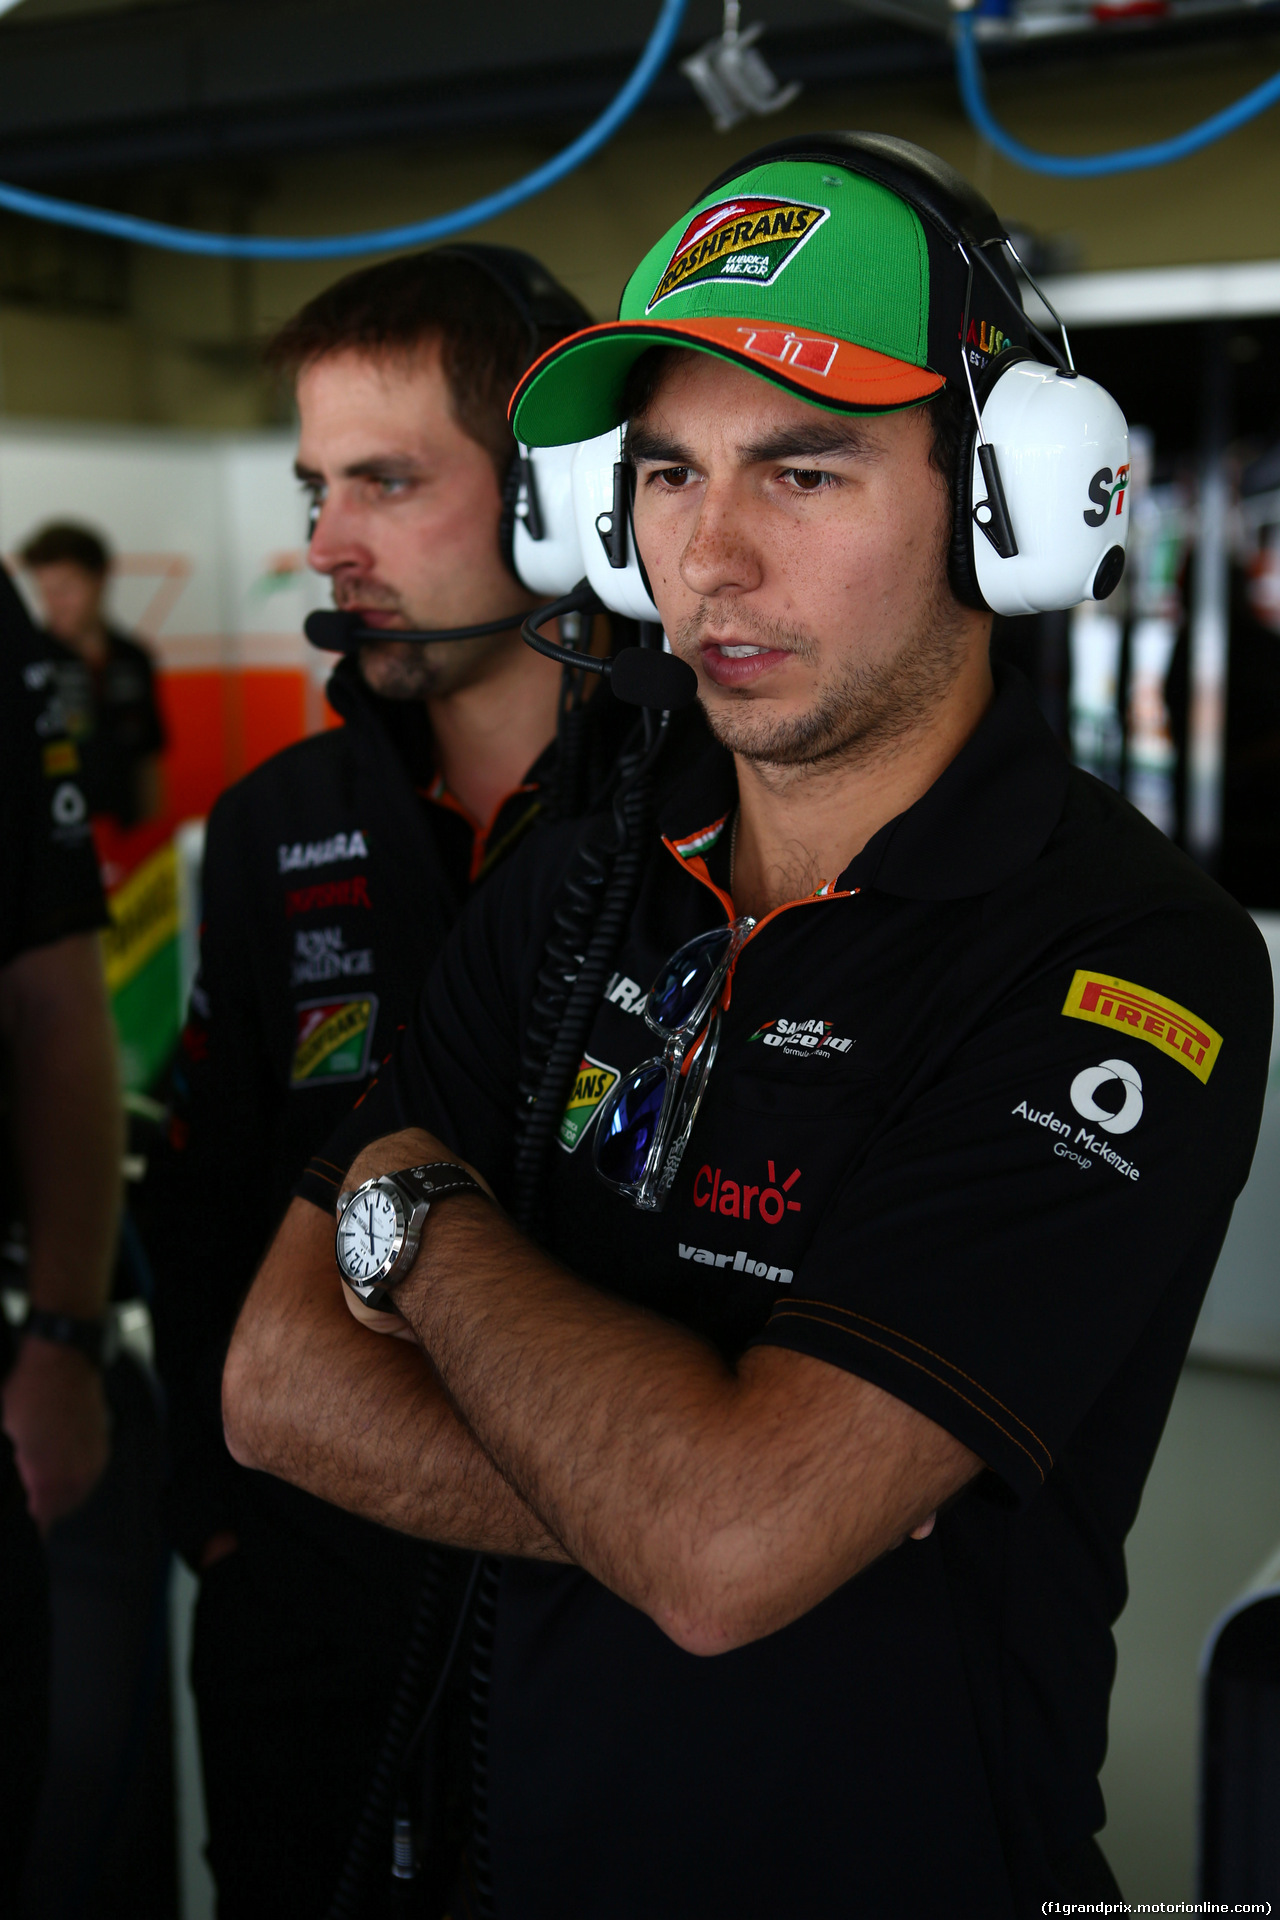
1143,1015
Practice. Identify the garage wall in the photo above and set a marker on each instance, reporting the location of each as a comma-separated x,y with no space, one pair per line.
171,341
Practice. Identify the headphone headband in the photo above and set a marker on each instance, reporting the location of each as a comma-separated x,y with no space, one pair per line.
930,184
544,306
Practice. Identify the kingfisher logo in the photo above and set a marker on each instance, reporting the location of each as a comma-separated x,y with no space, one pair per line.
748,240
735,1199
1104,488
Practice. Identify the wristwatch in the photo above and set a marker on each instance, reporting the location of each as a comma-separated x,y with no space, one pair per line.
97,1340
380,1225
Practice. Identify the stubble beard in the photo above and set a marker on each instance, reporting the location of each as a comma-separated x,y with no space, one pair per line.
413,669
864,712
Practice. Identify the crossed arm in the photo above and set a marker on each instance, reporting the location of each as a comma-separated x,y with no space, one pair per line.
534,1415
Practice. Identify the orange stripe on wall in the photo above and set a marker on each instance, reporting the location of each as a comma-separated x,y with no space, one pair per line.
221,724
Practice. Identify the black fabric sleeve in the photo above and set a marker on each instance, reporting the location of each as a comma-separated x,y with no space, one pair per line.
151,733
48,868
455,1070
999,1250
210,1211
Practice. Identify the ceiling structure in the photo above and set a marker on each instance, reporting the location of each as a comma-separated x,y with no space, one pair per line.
97,87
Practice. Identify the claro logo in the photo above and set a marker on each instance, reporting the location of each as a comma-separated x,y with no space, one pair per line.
735,1199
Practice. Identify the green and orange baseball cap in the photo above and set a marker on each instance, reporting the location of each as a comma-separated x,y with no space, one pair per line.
816,276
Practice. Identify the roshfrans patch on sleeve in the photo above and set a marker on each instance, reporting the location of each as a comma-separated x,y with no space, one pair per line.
1143,1015
748,241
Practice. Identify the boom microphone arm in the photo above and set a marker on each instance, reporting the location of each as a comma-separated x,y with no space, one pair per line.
641,676
334,632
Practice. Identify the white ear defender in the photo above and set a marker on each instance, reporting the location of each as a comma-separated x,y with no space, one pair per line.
545,549
1058,465
602,504
1047,468
1038,492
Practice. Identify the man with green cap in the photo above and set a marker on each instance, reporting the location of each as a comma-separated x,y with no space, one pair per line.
808,1433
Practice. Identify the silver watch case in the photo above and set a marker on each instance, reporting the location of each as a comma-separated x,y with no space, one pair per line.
411,1212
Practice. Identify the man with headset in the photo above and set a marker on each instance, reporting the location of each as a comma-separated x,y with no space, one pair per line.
810,1430
331,875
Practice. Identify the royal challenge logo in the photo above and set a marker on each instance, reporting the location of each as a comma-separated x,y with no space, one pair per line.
743,240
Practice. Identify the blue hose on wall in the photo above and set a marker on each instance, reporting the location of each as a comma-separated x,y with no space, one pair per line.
346,246
1093,166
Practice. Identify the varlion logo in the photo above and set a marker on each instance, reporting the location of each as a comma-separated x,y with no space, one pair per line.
593,1082
738,1262
743,241
1143,1015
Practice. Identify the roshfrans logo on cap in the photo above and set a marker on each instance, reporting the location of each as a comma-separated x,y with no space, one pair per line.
744,240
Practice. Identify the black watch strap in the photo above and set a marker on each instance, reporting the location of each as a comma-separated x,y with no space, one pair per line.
88,1337
435,1179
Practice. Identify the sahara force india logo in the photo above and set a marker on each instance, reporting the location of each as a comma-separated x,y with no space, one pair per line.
802,1037
1143,1015
747,239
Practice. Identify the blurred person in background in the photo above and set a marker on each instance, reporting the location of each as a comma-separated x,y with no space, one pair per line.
107,679
60,1169
332,874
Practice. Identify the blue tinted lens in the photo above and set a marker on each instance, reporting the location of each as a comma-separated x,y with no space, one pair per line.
683,981
622,1148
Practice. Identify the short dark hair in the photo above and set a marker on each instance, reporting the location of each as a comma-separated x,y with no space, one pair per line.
67,540
393,310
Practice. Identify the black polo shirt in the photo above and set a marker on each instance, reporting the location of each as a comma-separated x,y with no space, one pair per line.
114,718
49,885
980,1111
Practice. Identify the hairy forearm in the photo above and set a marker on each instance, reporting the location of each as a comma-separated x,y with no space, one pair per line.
691,1488
360,1421
67,1120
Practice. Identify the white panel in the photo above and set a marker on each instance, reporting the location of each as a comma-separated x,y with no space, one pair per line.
210,530
1240,1320
1162,293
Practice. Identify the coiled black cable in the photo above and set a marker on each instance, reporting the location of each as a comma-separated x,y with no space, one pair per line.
368,1835
588,922
590,917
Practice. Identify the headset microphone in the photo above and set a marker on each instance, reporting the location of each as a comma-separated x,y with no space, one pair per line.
334,632
639,676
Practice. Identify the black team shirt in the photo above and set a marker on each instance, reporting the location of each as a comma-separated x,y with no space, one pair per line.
979,1115
49,885
332,874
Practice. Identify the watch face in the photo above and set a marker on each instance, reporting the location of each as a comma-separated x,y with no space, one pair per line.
370,1235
